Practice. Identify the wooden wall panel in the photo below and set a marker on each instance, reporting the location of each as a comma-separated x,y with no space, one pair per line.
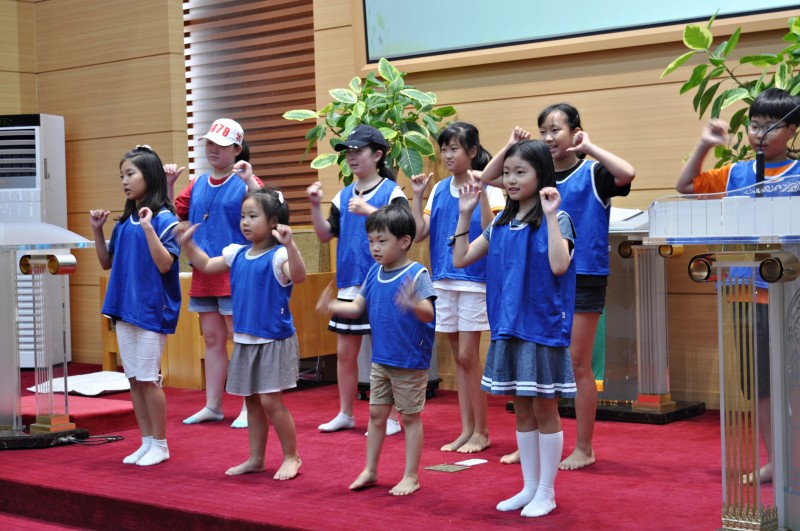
18,95
17,38
76,33
116,99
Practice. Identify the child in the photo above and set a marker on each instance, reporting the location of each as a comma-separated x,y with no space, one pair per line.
586,189
213,200
777,110
398,297
461,302
265,354
530,290
373,187
144,294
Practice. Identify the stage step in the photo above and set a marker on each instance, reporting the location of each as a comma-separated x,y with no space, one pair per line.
22,523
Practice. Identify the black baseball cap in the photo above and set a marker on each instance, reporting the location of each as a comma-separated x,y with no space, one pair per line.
361,136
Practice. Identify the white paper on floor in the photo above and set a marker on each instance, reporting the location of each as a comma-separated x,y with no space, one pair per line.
91,384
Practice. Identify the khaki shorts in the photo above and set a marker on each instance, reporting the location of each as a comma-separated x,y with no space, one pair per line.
403,388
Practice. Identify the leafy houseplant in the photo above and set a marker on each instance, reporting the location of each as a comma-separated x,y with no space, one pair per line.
404,115
719,85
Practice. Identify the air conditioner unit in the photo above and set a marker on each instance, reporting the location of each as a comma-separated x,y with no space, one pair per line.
33,188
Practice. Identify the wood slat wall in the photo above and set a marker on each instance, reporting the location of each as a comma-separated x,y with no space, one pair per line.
252,61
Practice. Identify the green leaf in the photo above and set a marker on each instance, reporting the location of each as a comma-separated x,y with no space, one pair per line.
716,61
676,63
738,118
695,79
415,126
344,169
343,95
350,124
699,94
324,160
409,161
300,115
355,84
697,38
419,142
760,60
388,133
712,19
444,112
422,98
359,108
313,132
729,97
388,71
716,72
782,75
308,149
708,95
731,43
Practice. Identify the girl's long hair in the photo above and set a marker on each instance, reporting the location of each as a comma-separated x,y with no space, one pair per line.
383,169
467,137
537,154
156,198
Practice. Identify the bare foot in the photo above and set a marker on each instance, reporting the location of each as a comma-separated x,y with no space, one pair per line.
365,479
405,487
764,475
476,443
248,467
578,459
455,445
288,469
510,459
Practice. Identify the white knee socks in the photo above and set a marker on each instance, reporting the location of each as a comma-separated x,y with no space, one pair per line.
528,445
550,447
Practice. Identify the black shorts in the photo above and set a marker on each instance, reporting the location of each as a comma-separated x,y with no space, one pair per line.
590,294
353,327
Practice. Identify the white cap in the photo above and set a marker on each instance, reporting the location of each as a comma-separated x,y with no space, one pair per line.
225,132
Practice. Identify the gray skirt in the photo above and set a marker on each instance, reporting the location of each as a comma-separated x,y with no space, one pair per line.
523,368
264,368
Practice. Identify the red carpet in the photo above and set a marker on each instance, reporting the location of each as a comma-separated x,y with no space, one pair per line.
98,415
646,477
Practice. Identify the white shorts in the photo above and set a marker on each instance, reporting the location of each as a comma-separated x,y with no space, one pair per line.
460,311
140,351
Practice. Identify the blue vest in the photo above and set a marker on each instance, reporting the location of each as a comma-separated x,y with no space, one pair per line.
581,201
353,258
260,303
524,299
137,291
223,204
399,339
444,218
741,175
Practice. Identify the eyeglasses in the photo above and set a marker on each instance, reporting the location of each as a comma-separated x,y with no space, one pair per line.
755,128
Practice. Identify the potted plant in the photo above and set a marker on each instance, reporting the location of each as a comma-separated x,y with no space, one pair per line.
718,85
404,115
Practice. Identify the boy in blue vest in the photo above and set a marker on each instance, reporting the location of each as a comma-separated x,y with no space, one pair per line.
774,117
399,298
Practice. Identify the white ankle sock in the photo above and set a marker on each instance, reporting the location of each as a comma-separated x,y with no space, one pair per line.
204,415
157,453
339,422
528,445
550,447
135,456
392,427
241,420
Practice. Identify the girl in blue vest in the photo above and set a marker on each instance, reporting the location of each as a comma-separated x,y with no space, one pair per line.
214,200
586,188
264,361
144,295
373,186
461,302
530,295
